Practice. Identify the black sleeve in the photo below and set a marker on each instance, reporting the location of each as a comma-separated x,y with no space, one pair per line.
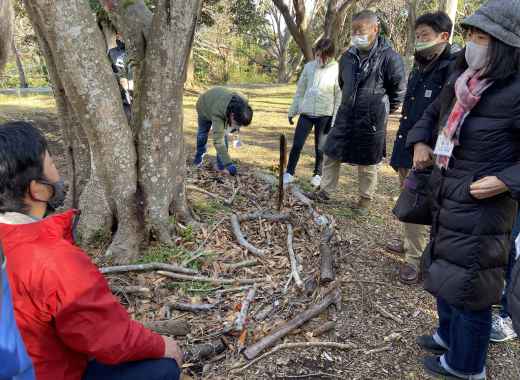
511,175
425,129
395,80
341,68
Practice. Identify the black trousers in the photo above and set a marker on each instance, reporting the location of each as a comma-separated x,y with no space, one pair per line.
304,127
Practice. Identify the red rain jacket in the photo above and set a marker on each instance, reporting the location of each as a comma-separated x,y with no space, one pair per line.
63,305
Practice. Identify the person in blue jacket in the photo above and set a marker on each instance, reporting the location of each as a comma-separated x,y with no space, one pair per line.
15,364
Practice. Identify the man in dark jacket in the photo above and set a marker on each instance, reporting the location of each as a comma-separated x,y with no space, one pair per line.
123,71
373,83
430,71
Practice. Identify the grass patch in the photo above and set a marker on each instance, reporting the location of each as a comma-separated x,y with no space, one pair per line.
208,208
168,255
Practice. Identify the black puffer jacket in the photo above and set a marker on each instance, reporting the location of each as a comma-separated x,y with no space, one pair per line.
424,85
371,88
466,258
513,297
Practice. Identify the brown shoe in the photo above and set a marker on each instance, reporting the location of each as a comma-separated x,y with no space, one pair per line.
408,274
320,196
395,246
362,206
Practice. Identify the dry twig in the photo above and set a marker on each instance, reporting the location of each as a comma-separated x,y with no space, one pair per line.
147,267
241,319
292,257
286,346
222,281
332,297
192,308
235,224
387,314
169,327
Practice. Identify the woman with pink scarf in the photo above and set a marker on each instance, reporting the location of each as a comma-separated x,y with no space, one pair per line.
475,128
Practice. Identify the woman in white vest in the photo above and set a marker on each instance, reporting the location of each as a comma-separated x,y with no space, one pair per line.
317,99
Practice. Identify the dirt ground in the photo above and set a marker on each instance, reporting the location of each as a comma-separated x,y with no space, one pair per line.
379,316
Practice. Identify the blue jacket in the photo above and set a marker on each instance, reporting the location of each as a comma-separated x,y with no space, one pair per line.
15,364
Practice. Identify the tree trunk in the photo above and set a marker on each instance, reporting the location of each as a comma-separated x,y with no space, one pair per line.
6,31
109,33
410,41
92,96
335,19
297,25
161,164
450,7
19,66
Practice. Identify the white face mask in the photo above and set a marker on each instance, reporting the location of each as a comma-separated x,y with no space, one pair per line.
361,42
476,56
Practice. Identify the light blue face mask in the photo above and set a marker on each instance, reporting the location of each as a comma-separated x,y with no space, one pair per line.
361,42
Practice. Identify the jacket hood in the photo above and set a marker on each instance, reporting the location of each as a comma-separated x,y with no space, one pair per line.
17,227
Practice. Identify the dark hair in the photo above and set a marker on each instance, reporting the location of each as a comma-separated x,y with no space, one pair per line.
366,14
22,153
241,110
439,21
326,47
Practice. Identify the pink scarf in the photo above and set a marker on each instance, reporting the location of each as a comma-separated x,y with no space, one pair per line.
468,90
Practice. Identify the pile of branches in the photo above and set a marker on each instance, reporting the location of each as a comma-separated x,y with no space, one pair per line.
272,277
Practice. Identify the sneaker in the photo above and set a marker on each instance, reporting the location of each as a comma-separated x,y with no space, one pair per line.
288,178
433,367
408,274
501,329
316,181
199,160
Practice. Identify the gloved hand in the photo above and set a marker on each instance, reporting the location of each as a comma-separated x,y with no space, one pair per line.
232,169
291,120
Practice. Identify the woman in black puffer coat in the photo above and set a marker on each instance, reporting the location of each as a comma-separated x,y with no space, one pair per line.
475,190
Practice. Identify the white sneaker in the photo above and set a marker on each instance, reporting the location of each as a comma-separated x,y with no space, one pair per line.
501,329
316,181
288,178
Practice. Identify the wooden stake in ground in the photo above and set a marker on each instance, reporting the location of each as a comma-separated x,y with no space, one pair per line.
283,161
292,257
333,297
326,257
169,327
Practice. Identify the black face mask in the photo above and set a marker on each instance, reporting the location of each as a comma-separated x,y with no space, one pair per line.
59,189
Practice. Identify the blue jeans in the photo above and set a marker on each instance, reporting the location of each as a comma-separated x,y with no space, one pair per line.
466,333
503,303
202,141
159,369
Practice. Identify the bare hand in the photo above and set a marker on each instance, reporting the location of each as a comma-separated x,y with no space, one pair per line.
487,187
172,350
422,156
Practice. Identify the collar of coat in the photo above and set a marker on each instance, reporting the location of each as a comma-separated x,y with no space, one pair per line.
20,227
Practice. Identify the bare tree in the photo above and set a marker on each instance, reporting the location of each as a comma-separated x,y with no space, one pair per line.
297,22
335,19
450,7
129,177
410,42
6,31
19,65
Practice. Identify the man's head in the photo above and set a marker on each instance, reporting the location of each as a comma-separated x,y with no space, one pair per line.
432,30
29,181
239,113
365,29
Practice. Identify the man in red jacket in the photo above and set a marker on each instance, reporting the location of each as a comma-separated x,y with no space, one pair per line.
72,325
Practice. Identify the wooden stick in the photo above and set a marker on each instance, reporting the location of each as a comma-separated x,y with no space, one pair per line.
169,327
264,214
387,314
292,257
241,319
147,267
326,264
235,225
192,308
333,297
264,312
297,193
227,202
283,158
221,281
241,264
132,289
233,290
287,346
378,350
324,328
198,352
